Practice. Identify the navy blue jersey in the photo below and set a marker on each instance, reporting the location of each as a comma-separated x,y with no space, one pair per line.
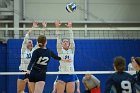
40,59
119,83
136,80
138,77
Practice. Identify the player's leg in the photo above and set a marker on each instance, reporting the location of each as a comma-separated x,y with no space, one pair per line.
20,86
70,87
21,83
60,86
29,88
39,86
32,86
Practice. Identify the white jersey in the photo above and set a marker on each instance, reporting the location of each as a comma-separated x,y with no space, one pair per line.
67,66
66,54
130,67
26,54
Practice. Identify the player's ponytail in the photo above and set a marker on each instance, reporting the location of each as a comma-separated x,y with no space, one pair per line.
41,41
119,63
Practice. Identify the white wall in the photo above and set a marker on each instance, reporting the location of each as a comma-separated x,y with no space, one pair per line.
50,10
115,10
98,10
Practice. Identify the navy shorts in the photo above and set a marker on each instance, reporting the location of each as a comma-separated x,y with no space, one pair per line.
67,78
22,77
36,76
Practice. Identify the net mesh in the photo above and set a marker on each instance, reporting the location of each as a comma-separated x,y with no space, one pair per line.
94,51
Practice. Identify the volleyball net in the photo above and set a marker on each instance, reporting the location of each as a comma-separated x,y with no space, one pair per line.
93,44
95,49
79,33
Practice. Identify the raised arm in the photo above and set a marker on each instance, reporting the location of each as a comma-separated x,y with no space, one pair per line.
35,25
25,41
71,36
44,25
23,49
58,36
33,59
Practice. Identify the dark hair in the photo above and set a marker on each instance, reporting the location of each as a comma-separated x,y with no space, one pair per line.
119,63
65,39
41,40
137,59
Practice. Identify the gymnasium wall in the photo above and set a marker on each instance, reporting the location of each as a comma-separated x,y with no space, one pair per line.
98,10
3,68
90,55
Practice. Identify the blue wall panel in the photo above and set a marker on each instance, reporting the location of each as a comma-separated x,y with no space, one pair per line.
3,62
90,55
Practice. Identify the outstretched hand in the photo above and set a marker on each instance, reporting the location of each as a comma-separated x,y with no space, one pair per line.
57,23
35,24
28,71
69,24
44,24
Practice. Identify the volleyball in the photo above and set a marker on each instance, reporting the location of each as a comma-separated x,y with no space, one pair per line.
71,7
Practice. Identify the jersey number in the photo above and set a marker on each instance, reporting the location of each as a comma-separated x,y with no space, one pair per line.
66,57
126,86
42,60
28,55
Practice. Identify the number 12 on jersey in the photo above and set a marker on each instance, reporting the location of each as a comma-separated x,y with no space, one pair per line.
42,60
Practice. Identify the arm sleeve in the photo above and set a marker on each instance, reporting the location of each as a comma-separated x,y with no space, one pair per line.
83,81
72,43
35,47
33,59
53,55
23,49
137,86
109,85
96,80
25,41
59,37
129,67
134,81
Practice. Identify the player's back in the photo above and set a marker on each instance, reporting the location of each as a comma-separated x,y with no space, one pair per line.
41,58
119,83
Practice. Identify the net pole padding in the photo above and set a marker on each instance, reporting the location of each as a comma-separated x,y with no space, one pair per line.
76,72
89,28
